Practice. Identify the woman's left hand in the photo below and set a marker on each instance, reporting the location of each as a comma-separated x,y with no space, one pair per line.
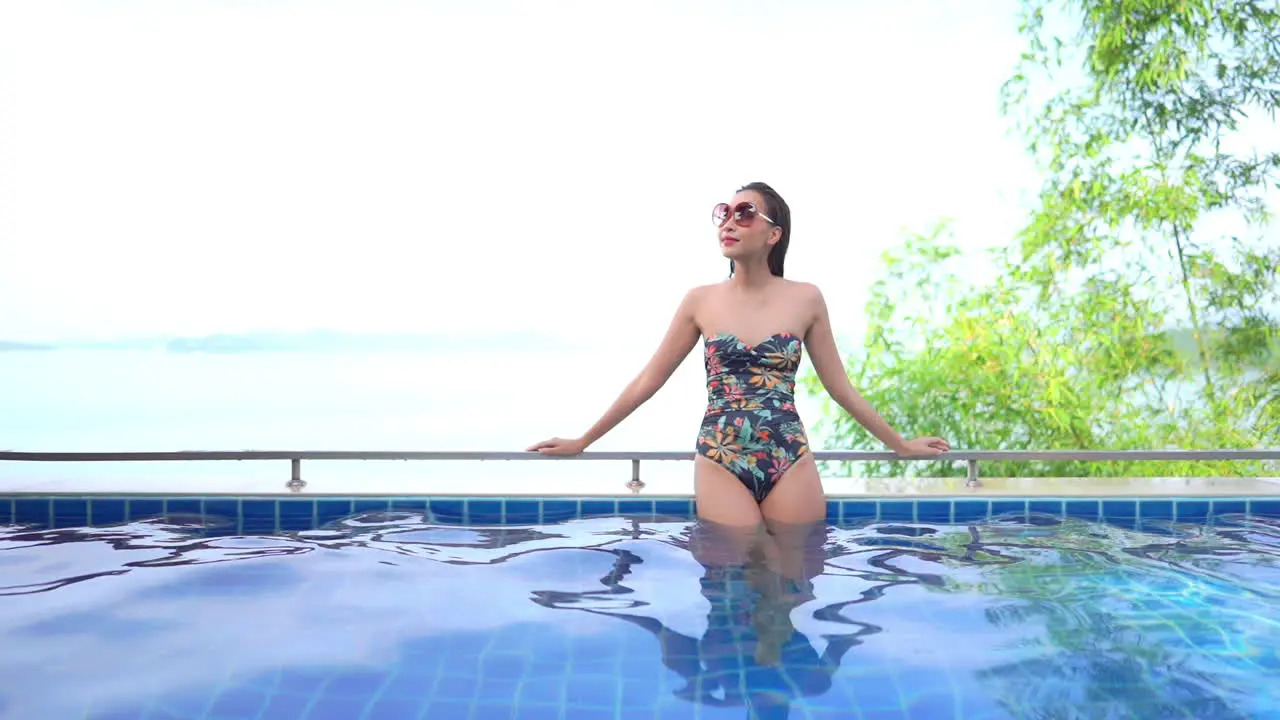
924,446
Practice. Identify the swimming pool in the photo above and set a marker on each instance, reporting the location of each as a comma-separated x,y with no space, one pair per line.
219,608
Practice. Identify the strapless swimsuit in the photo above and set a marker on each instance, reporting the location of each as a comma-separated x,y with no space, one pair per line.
751,426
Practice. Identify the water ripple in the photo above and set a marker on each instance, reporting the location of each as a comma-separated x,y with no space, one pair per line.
1046,618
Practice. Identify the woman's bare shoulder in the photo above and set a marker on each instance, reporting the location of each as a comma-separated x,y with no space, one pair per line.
697,297
804,289
703,292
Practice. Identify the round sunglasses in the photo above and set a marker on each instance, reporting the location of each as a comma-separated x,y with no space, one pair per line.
744,214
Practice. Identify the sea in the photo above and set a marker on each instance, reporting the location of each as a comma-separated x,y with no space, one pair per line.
494,400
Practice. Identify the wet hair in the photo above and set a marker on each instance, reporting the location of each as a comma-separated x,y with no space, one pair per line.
776,208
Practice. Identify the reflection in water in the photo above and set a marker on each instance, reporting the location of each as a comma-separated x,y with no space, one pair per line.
751,654
1040,618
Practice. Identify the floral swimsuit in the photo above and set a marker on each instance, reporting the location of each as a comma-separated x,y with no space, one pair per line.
751,426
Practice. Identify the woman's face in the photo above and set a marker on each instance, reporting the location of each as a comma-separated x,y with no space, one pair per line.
744,229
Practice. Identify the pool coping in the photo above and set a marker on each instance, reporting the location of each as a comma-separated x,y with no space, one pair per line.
909,488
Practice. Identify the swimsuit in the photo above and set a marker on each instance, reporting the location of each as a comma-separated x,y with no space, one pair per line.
751,427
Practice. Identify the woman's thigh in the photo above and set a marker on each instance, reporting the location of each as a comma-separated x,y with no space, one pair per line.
797,497
722,498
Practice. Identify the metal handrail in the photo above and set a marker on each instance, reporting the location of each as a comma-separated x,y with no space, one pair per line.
821,455
296,483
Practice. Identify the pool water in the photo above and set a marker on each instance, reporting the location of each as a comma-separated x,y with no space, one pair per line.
384,615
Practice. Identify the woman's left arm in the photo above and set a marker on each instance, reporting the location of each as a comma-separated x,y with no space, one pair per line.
821,344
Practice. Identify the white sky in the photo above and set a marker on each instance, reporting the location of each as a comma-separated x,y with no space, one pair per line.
200,166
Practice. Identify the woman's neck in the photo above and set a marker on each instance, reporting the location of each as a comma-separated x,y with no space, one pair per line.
750,276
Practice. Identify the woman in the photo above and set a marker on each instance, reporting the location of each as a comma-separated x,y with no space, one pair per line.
753,464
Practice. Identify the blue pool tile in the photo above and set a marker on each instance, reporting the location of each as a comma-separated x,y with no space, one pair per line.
455,688
1121,513
237,703
225,508
155,713
1191,511
500,692
183,506
585,712
523,512
355,684
285,707
1119,509
1155,509
1010,509
504,665
35,512
368,505
221,517
852,511
933,511
297,515
6,511
1045,507
182,704
584,691
1083,509
442,708
328,707
1265,508
393,709
596,507
145,509
1229,507
673,711
302,683
410,505
876,692
258,517
554,511
635,507
639,695
70,512
971,510
134,713
897,510
833,511
484,512
330,510
547,693
532,712
841,714
682,509
448,511
405,686
931,705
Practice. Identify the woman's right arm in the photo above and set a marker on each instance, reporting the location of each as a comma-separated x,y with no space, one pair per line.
679,340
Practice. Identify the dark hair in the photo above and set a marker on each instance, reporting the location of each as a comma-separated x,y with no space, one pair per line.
776,208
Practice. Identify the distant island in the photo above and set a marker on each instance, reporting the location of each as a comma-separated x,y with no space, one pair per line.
312,341
1181,341
336,341
8,346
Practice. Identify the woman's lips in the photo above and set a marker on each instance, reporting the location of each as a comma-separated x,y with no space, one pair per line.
728,240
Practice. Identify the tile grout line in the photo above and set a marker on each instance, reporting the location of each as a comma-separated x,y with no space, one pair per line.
1179,510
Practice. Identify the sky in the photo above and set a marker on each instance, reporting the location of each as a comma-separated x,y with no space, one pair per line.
197,167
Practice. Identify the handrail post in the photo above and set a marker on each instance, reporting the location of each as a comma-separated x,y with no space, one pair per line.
973,481
296,483
636,484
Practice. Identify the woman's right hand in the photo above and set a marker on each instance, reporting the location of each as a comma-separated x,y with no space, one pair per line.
559,446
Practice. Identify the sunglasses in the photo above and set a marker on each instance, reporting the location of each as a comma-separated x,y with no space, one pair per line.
743,213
